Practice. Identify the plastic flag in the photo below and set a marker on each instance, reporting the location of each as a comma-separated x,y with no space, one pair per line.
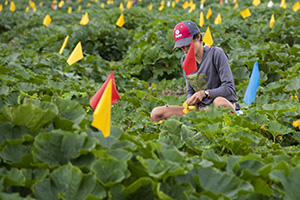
88,4
6,2
208,14
173,4
129,4
193,7
64,45
47,20
102,114
121,6
189,64
202,1
296,6
120,21
234,1
12,6
1,7
41,4
270,4
102,5
76,55
70,10
218,19
245,13
221,2
162,5
255,2
27,9
84,19
201,20
169,3
32,4
61,3
283,4
185,5
34,9
150,6
114,96
79,9
201,6
272,21
236,5
250,94
207,38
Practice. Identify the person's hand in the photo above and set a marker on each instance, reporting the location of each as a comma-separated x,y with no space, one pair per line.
196,98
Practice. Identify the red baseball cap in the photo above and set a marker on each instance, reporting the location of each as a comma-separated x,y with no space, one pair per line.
183,33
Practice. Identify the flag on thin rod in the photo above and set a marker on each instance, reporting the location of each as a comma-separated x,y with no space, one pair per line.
250,94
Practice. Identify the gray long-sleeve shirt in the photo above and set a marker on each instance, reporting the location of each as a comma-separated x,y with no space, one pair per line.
214,74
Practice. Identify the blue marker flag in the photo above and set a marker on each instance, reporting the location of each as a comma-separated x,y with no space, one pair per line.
250,94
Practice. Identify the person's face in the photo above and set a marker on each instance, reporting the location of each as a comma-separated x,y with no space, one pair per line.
197,45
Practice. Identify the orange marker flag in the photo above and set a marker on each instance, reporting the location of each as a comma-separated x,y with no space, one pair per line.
189,64
218,19
47,20
272,21
208,14
84,19
76,55
64,45
114,96
296,6
207,38
102,114
120,21
245,13
255,2
12,6
201,20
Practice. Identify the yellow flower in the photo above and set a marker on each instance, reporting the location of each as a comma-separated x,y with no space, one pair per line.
262,127
296,97
296,124
292,97
158,122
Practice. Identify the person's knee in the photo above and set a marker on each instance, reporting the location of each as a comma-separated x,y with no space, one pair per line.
223,102
156,114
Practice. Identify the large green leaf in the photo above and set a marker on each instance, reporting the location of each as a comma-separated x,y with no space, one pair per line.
110,171
68,182
143,188
59,147
28,115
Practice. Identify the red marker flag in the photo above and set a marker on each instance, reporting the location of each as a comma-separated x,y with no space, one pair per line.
114,96
189,64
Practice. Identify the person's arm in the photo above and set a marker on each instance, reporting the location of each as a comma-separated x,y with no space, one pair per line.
227,87
190,90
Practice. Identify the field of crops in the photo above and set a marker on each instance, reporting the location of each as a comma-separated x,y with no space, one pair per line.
49,150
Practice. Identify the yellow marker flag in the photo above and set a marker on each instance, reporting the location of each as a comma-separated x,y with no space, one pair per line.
192,8
84,19
64,45
32,4
218,19
255,2
185,5
173,4
201,20
47,20
70,10
161,7
272,21
177,1
6,2
202,1
234,1
129,4
150,6
88,4
102,5
79,9
78,1
208,14
120,21
236,5
12,6
245,13
54,1
207,38
34,9
76,55
41,4
27,9
1,7
191,3
61,3
296,6
102,114
283,4
121,6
